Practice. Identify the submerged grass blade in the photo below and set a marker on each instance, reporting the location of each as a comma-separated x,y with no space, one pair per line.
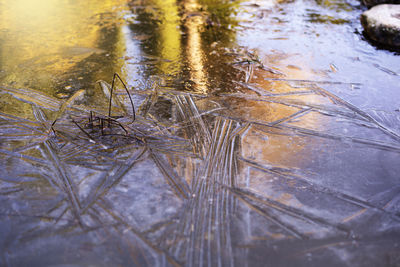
291,211
139,235
70,101
286,173
64,181
33,97
178,184
273,218
111,180
365,115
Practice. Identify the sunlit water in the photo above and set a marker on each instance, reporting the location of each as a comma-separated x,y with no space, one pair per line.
266,134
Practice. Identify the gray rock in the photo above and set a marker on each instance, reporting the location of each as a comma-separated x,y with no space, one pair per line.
370,3
382,24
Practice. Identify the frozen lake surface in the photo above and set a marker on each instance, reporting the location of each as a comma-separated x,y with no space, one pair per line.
253,133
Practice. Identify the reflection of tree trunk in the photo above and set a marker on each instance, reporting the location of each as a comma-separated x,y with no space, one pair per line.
184,60
194,51
170,37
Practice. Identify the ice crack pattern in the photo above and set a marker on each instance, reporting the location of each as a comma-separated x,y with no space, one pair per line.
250,178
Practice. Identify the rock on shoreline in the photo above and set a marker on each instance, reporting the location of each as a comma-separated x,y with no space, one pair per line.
382,24
371,3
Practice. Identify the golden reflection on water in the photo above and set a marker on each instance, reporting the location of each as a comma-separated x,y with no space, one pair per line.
281,150
43,38
58,34
170,36
173,50
194,51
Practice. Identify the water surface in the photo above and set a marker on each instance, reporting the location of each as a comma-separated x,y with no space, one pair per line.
265,133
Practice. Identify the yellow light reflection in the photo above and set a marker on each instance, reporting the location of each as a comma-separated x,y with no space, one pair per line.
32,14
194,50
47,37
170,35
281,150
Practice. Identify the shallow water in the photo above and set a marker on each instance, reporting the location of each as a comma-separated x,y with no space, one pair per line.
266,133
